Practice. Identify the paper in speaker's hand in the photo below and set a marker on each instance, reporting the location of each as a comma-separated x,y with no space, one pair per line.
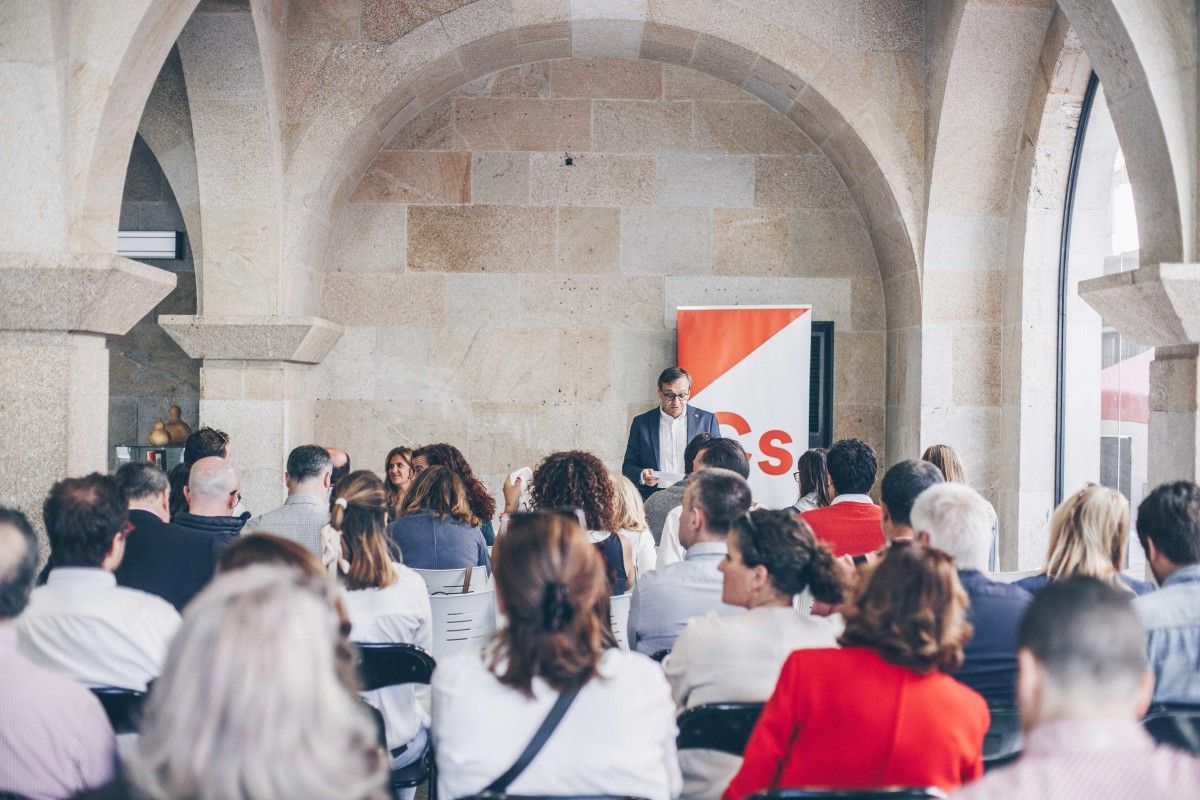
666,479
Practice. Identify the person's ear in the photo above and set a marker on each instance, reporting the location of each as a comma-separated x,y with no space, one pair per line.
187,494
327,481
762,578
923,538
1145,693
887,515
1029,687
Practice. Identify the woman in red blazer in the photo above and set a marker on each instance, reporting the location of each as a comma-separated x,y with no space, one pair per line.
881,711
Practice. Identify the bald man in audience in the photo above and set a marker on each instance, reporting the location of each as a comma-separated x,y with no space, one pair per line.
1083,688
213,493
55,739
341,464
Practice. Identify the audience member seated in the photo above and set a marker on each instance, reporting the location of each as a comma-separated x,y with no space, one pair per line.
629,518
252,704
161,558
578,481
902,484
1168,526
812,480
618,735
851,523
481,502
81,623
667,598
953,518
398,468
881,711
200,444
1082,690
661,503
945,459
715,453
306,509
772,557
1089,532
340,460
388,602
55,739
436,528
213,495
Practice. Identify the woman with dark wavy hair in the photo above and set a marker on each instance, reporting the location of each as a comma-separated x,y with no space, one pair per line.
883,710
557,642
482,504
577,480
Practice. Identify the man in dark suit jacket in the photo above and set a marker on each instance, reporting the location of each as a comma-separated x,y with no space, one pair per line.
658,438
163,559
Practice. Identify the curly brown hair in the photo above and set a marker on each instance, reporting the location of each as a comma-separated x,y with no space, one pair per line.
483,505
575,479
912,610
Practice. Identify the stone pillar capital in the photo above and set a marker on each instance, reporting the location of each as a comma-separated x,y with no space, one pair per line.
1154,305
295,340
78,292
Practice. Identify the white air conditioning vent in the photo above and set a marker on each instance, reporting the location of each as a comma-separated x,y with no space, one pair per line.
149,244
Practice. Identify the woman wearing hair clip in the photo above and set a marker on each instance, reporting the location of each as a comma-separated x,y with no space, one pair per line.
387,603
614,730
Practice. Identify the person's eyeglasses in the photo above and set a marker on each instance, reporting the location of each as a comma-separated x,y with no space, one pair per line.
671,397
796,477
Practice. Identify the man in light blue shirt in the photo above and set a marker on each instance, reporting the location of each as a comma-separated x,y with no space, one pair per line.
665,599
1168,526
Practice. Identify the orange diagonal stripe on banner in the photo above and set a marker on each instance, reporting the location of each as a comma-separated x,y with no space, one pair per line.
714,340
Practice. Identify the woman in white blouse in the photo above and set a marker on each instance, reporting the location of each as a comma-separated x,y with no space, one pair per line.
629,518
618,735
772,557
387,603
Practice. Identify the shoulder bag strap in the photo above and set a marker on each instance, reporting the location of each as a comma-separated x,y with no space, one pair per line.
501,784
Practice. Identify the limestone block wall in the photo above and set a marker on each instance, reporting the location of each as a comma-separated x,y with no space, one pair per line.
147,370
508,267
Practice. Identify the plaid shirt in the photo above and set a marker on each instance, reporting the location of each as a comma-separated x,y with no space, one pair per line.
300,519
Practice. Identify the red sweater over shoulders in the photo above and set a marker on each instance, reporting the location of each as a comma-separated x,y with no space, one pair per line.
849,528
847,719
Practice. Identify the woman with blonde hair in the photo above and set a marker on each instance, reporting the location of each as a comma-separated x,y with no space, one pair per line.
250,704
615,733
436,528
1089,532
387,603
398,468
944,458
629,518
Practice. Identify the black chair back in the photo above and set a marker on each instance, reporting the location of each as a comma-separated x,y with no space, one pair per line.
123,707
1175,725
499,796
659,655
718,726
902,793
1004,741
381,665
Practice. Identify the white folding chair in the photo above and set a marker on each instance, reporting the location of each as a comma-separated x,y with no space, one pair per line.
618,615
456,581
1013,577
461,621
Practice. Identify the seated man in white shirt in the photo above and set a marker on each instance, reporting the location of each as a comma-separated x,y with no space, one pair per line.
720,453
665,599
81,623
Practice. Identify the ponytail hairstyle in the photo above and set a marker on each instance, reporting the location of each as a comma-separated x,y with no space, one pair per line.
813,472
555,594
359,513
795,560
483,505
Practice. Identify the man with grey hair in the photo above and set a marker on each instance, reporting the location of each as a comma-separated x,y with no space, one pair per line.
168,560
955,519
306,509
665,599
213,493
1082,690
55,740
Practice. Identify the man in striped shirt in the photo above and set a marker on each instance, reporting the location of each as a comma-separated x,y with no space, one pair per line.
1082,689
55,740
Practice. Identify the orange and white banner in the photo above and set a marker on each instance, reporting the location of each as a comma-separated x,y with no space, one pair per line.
750,367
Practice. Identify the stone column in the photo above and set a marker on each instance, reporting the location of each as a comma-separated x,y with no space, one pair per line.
1160,305
256,385
56,310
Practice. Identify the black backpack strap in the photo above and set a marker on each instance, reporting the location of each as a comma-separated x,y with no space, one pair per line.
501,784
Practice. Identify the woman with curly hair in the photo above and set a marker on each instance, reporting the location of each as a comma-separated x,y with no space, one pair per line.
482,504
883,710
435,528
577,481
